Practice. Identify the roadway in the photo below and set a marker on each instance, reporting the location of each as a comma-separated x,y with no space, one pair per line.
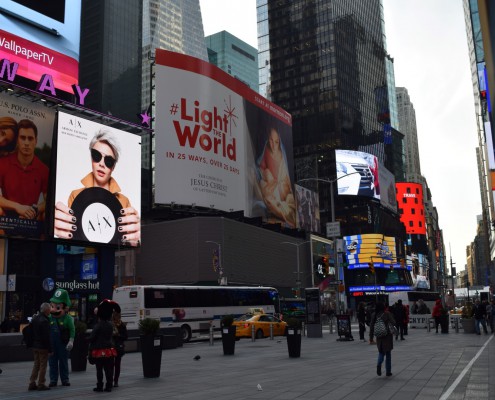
425,366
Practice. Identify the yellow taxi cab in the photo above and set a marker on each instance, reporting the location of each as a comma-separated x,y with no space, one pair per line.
261,322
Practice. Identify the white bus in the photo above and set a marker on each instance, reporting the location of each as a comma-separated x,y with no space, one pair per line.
192,308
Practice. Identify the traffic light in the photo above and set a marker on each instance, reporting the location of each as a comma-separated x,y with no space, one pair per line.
391,267
326,265
402,263
371,266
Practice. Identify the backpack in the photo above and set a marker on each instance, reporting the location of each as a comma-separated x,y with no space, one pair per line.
380,328
28,335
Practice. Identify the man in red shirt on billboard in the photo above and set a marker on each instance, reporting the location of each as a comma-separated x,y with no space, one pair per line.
23,177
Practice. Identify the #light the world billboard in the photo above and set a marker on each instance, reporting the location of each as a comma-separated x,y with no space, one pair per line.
219,144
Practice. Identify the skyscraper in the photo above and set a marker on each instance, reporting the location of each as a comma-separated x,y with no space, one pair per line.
407,121
234,56
325,63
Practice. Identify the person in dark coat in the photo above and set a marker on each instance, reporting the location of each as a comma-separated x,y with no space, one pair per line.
119,337
101,345
42,348
399,312
361,317
384,344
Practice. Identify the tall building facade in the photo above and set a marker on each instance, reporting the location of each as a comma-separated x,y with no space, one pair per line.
325,63
110,56
407,121
234,56
482,62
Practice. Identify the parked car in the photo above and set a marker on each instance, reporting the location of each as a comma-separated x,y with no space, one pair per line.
261,323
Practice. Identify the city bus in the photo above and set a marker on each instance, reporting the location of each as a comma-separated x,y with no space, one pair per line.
191,308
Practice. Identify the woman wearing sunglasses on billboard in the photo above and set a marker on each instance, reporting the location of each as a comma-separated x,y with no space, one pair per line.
104,156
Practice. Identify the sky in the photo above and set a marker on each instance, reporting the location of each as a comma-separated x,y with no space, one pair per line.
427,40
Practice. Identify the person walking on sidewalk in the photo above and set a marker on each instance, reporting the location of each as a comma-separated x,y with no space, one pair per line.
42,348
479,312
399,312
119,337
437,313
385,344
361,317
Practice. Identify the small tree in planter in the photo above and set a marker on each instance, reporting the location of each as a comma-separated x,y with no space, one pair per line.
293,333
151,347
79,353
228,334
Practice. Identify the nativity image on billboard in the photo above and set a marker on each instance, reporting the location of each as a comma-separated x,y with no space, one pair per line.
372,247
26,131
220,144
308,209
98,183
357,173
42,37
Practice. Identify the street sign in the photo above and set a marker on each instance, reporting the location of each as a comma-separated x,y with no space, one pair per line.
337,282
333,229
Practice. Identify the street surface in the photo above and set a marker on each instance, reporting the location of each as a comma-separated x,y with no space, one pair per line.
425,366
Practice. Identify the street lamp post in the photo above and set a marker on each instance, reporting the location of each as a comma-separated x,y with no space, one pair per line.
332,211
220,264
298,272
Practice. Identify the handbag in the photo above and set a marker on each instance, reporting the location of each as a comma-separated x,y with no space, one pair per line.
380,329
393,329
120,347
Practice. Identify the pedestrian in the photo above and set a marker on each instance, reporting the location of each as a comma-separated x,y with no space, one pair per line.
385,344
62,335
361,317
399,312
491,314
437,313
42,348
101,346
479,312
119,338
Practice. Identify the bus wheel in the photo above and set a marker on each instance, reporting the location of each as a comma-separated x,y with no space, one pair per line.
186,333
259,334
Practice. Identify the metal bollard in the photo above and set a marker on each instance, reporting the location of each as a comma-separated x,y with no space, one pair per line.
456,325
428,326
271,331
211,335
303,325
252,333
330,325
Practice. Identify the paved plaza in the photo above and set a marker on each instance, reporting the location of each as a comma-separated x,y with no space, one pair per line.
425,366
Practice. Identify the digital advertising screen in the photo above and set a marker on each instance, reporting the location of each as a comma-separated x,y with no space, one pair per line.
357,174
42,37
372,247
220,144
411,207
98,183
26,131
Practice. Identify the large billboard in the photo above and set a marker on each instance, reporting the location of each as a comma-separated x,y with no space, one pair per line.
362,174
26,130
411,206
42,38
98,183
219,144
308,209
372,247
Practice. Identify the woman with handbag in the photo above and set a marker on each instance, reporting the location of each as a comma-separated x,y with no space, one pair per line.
101,345
119,337
380,326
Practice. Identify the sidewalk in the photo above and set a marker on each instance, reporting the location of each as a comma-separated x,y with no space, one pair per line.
425,366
